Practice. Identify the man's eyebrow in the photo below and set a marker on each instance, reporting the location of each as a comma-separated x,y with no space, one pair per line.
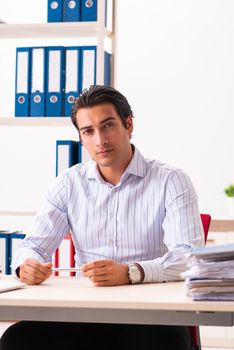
102,122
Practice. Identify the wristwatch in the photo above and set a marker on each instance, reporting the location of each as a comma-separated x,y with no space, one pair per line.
134,274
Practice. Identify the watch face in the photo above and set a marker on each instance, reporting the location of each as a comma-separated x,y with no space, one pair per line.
134,274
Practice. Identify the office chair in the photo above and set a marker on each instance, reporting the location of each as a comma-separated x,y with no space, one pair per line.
194,330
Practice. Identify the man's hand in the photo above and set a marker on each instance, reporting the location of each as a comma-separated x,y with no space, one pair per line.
34,272
106,273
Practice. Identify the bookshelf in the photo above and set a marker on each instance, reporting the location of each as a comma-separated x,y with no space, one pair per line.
103,34
14,129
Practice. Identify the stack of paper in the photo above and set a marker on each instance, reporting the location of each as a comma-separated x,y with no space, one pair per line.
210,274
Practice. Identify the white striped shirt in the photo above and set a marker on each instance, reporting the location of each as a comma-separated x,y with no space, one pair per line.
150,217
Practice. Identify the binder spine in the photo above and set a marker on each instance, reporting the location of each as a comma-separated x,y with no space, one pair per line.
88,66
71,11
22,81
55,81
38,81
88,10
55,11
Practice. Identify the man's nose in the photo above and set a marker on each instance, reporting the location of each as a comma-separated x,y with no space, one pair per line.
100,139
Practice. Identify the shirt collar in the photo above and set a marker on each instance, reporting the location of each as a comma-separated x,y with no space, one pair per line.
137,167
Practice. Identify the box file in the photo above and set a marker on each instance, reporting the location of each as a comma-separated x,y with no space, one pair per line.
4,252
88,10
54,81
22,81
38,81
88,66
15,240
71,11
107,68
72,76
55,11
68,153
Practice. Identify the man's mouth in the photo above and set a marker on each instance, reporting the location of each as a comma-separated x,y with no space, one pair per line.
104,151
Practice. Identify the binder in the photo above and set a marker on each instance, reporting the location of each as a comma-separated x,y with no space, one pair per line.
22,81
55,11
107,68
15,240
38,81
88,10
67,154
88,66
72,77
71,11
54,81
65,256
4,252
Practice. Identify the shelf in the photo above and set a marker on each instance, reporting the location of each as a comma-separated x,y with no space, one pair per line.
52,30
16,213
36,121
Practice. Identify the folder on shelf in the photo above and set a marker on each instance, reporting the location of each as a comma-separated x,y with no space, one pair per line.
22,81
15,240
88,66
64,256
38,81
54,81
72,76
4,252
67,154
55,11
88,10
71,11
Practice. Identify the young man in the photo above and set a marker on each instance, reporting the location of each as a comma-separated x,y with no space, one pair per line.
132,221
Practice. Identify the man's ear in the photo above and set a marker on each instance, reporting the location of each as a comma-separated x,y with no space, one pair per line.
130,124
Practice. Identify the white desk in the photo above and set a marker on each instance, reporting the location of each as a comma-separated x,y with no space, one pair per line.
76,299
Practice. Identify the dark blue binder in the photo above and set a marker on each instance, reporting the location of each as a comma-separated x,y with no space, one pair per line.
38,81
72,77
22,81
55,81
88,10
15,239
68,153
88,66
71,11
55,11
5,252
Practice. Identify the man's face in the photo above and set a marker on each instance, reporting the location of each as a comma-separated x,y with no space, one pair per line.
104,135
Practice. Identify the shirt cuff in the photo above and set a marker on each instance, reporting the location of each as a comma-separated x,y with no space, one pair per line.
153,271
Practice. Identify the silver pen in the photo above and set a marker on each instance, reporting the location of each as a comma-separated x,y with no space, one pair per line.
70,269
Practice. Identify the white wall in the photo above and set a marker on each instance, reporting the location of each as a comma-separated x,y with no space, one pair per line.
174,63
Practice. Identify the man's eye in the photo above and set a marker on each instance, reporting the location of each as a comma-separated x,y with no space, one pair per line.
87,132
109,125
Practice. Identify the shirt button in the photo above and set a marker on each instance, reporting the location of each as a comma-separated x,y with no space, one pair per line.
110,241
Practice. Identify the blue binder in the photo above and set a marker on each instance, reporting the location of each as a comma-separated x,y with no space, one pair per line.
54,81
71,11
55,11
72,76
88,10
38,81
5,252
88,66
107,68
22,81
68,153
15,240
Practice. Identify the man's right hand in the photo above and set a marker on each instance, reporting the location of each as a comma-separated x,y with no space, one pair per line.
34,272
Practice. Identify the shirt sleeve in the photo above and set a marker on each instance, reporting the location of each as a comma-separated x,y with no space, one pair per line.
49,228
182,228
